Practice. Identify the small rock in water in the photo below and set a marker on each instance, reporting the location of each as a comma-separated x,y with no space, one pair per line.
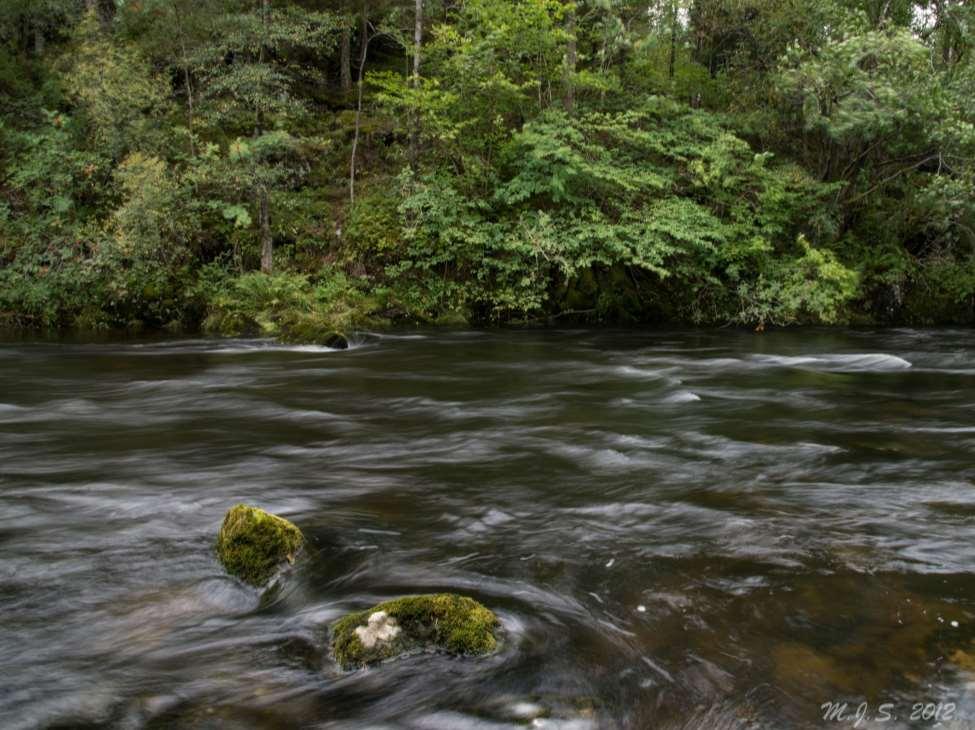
641,608
954,624
440,622
254,544
336,340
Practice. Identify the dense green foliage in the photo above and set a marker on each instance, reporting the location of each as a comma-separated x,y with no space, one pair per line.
293,167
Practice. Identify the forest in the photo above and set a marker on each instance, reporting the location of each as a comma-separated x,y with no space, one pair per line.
294,168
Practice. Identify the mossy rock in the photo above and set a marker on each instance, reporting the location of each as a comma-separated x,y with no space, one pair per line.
439,622
254,544
336,340
310,329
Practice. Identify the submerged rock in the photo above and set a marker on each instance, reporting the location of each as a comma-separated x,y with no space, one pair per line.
310,329
440,622
253,544
328,338
336,340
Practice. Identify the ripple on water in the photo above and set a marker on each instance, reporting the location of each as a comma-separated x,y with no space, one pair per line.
852,363
233,347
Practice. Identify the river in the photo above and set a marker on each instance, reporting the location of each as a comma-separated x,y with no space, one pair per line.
677,529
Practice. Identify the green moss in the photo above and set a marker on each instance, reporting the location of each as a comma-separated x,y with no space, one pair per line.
253,543
452,318
308,328
443,621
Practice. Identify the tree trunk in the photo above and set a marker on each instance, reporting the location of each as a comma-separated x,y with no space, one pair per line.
264,214
945,33
108,9
104,10
262,56
881,13
265,22
346,60
415,83
186,81
417,41
363,27
364,43
571,59
267,243
189,106
673,40
38,40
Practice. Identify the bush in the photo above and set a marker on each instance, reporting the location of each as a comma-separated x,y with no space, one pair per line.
813,287
288,305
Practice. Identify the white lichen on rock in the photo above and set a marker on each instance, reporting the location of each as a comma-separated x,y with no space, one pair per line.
381,627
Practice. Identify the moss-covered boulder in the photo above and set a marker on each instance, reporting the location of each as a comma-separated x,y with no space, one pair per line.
336,340
254,544
439,622
310,329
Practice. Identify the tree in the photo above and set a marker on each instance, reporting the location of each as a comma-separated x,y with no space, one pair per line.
873,103
244,77
174,34
417,52
571,59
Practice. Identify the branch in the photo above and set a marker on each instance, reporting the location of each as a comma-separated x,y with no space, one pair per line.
888,179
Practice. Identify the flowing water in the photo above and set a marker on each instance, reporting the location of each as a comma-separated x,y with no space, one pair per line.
676,529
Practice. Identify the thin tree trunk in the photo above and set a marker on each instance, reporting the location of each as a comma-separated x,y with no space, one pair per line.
186,81
264,214
417,43
189,107
267,243
943,32
38,40
364,38
882,12
346,60
363,26
104,10
262,54
417,40
108,12
571,59
673,39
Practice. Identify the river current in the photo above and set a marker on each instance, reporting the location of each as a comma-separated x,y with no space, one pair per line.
677,529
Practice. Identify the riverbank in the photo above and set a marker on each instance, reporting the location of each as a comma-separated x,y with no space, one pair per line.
305,308
724,165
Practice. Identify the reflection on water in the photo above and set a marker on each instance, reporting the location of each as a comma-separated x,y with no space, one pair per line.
678,530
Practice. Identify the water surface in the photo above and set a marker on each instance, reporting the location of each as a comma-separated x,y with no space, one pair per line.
677,529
